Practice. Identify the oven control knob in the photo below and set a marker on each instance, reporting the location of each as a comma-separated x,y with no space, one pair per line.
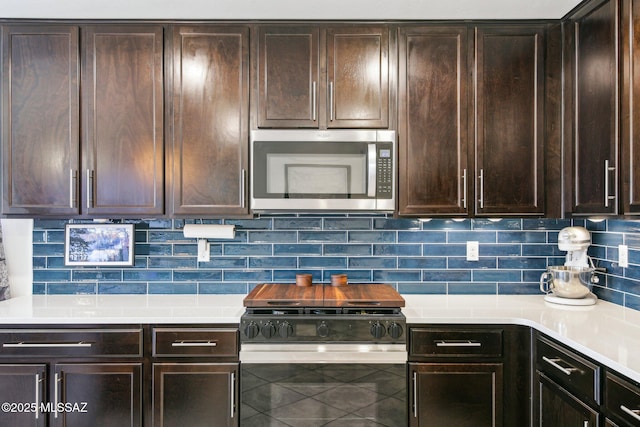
268,330
378,330
285,330
395,330
251,330
323,330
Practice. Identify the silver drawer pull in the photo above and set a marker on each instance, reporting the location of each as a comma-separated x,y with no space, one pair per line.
46,344
185,343
443,343
635,413
554,363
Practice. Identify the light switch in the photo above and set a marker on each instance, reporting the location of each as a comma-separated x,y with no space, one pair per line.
623,256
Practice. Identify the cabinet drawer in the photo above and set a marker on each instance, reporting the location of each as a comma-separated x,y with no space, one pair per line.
446,342
622,399
71,342
195,342
568,369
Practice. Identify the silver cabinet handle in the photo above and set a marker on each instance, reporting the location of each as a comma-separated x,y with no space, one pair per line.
56,393
443,343
243,186
415,395
554,363
371,166
635,413
481,199
37,399
73,191
607,170
46,344
185,343
464,188
314,92
233,393
331,101
90,177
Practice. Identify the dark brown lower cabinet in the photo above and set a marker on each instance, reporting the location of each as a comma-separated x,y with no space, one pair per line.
195,394
100,394
456,394
20,384
559,408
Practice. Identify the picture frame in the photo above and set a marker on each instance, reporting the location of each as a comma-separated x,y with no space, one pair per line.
99,245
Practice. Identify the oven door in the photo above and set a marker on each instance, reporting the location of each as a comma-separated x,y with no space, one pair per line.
322,170
300,386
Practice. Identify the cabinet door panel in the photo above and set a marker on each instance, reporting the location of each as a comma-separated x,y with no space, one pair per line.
195,394
40,132
112,393
595,139
433,120
288,76
23,384
457,394
630,139
509,120
558,408
210,101
358,77
123,119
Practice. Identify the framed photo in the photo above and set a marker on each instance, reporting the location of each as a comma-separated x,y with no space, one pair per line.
99,244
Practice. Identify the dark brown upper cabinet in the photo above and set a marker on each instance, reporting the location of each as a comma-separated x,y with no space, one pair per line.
116,165
123,138
433,125
592,106
40,119
323,77
509,120
630,114
209,154
471,120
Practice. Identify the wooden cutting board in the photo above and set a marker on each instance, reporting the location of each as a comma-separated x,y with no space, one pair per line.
352,295
362,295
284,295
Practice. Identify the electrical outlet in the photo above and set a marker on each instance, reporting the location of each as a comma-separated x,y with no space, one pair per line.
473,251
623,256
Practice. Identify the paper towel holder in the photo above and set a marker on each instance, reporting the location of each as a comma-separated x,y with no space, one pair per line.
202,232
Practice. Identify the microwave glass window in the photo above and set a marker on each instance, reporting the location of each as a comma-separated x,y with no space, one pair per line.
321,174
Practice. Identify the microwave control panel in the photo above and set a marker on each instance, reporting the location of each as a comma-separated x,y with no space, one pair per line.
384,175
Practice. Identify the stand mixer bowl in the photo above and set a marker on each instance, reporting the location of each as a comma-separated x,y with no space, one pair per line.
567,281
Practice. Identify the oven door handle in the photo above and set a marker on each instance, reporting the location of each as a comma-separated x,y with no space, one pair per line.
372,172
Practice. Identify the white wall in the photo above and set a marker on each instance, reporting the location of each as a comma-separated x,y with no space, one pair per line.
287,9
17,237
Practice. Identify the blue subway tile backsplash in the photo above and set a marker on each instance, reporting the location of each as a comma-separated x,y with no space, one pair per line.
416,256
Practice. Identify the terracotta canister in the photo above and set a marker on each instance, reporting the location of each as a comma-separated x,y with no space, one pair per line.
304,279
338,280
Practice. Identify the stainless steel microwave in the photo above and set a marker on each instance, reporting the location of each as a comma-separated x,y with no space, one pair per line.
323,170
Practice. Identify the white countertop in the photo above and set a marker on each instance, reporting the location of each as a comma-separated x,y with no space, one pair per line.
606,332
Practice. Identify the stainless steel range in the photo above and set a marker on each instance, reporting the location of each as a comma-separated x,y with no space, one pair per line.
323,355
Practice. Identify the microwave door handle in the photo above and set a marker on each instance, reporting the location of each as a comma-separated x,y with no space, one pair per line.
371,167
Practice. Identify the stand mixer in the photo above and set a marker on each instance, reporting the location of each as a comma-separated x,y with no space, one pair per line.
570,284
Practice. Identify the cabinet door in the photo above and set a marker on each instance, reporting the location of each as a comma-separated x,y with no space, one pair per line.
40,114
358,77
455,394
122,88
288,76
20,385
210,117
433,120
595,109
630,117
509,118
558,408
195,394
108,395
